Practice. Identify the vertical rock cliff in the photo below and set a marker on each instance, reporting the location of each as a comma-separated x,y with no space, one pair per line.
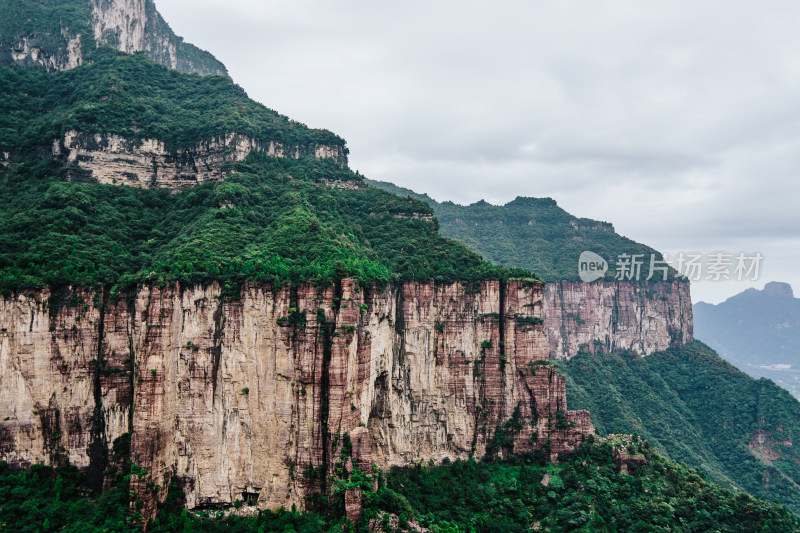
250,399
61,35
645,317
147,163
135,25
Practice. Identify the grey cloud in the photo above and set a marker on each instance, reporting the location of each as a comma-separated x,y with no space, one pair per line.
677,121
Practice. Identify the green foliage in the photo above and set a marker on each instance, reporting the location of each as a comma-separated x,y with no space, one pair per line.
696,408
533,233
44,499
49,24
272,221
131,96
43,23
585,492
528,320
503,436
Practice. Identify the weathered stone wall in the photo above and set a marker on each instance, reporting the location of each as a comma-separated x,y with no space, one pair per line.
135,25
645,317
241,397
147,163
127,25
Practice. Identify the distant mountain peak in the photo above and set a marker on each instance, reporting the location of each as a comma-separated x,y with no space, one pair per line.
757,330
778,288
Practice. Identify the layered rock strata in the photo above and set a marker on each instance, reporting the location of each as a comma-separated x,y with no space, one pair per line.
148,163
250,399
616,315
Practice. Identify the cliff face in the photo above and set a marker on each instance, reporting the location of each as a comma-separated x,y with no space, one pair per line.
145,163
251,399
135,25
59,37
616,315
34,50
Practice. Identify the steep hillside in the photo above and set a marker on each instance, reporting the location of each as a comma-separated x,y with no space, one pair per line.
137,100
696,408
758,331
607,314
62,34
278,217
532,233
234,317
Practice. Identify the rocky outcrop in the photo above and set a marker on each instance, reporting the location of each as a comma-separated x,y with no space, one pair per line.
33,51
147,163
135,25
645,317
251,399
65,35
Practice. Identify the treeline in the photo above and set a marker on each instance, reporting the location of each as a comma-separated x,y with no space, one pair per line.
271,221
533,233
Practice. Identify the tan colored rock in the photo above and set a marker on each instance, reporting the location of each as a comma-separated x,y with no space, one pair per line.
248,399
644,317
147,163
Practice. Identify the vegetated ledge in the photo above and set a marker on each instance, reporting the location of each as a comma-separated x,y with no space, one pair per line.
228,397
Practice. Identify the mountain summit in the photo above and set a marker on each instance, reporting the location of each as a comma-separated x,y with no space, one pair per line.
62,34
758,331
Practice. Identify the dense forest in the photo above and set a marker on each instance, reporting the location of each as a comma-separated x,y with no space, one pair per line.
696,408
586,491
271,221
129,95
532,233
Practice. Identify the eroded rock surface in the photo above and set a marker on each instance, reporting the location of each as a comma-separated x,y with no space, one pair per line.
645,317
251,399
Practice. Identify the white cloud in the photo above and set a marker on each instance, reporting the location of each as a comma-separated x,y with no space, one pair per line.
677,121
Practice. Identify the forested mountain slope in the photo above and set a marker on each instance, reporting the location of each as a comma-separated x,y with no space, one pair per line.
695,407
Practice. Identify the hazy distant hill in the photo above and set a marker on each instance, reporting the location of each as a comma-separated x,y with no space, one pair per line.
758,331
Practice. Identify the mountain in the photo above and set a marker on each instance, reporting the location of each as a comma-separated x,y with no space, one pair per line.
532,233
683,398
292,211
696,408
758,331
207,318
198,292
62,34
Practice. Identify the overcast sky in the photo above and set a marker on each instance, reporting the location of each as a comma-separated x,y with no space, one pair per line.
677,121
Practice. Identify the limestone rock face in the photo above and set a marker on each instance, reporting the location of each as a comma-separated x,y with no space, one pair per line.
58,37
135,25
33,51
147,163
645,317
251,399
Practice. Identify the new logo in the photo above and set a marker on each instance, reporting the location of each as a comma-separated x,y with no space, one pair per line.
591,267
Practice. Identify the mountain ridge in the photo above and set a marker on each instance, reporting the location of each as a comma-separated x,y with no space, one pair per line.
758,331
532,233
